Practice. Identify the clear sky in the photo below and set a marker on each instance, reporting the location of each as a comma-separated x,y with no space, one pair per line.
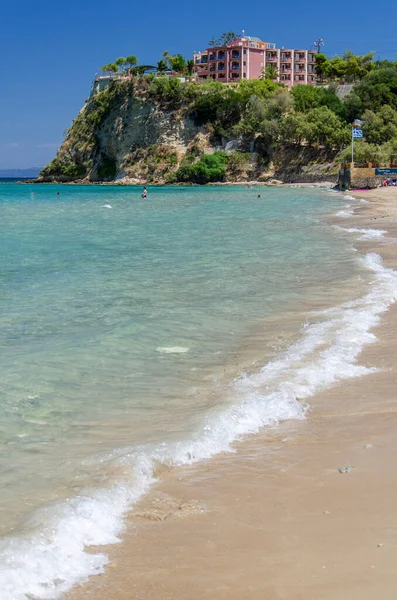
51,50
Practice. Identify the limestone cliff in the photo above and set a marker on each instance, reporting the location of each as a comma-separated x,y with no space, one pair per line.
130,134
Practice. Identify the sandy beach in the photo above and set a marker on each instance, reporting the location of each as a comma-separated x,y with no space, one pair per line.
305,512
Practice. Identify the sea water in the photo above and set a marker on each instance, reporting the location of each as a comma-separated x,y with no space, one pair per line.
117,317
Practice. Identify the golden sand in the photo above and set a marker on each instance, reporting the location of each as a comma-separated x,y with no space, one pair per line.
278,520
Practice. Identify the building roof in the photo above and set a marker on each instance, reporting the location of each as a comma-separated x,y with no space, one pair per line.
251,39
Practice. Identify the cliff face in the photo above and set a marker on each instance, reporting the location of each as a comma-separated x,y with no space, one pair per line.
128,134
117,133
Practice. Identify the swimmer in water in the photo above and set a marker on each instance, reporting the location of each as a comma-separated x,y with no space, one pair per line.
144,193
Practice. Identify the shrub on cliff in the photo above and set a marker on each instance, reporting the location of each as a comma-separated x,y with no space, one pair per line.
210,168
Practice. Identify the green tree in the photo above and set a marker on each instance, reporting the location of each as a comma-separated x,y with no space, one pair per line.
321,65
380,127
113,68
227,38
377,88
357,66
190,67
177,63
319,127
110,68
306,97
263,88
213,42
166,58
131,61
161,66
121,62
270,72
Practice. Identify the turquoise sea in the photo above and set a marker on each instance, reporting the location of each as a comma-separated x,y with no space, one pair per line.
128,328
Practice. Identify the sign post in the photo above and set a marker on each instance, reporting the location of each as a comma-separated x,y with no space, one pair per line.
356,133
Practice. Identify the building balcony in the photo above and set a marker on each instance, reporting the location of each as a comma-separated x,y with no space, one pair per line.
271,58
221,55
212,57
221,68
235,55
285,57
299,59
286,71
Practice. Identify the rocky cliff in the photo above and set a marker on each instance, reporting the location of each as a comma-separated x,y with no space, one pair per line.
137,131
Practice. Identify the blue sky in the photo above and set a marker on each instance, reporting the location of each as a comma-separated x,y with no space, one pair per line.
51,50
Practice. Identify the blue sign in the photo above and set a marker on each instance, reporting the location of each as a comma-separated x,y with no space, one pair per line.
357,133
386,171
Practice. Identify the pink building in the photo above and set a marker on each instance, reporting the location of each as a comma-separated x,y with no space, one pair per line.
246,58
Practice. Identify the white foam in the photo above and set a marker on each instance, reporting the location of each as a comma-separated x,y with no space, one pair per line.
366,234
344,213
52,558
172,349
348,197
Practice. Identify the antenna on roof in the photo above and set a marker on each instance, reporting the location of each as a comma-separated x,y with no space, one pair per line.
319,43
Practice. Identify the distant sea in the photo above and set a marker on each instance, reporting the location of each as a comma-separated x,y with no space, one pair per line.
13,179
128,332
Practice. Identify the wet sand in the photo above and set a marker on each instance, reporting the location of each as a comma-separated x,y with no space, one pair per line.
277,519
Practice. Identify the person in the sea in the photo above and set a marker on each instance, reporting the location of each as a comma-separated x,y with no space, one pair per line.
259,196
144,193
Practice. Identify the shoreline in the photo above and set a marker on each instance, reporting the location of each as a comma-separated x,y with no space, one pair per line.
270,183
279,518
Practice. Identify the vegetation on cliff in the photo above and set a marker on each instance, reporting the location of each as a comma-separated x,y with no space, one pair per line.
259,115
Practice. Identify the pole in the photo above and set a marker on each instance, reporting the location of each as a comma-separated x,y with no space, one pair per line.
352,147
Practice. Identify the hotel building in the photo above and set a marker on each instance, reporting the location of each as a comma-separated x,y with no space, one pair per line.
247,57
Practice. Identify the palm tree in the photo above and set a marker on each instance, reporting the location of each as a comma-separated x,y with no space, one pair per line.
190,67
166,57
161,66
269,72
177,63
227,38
